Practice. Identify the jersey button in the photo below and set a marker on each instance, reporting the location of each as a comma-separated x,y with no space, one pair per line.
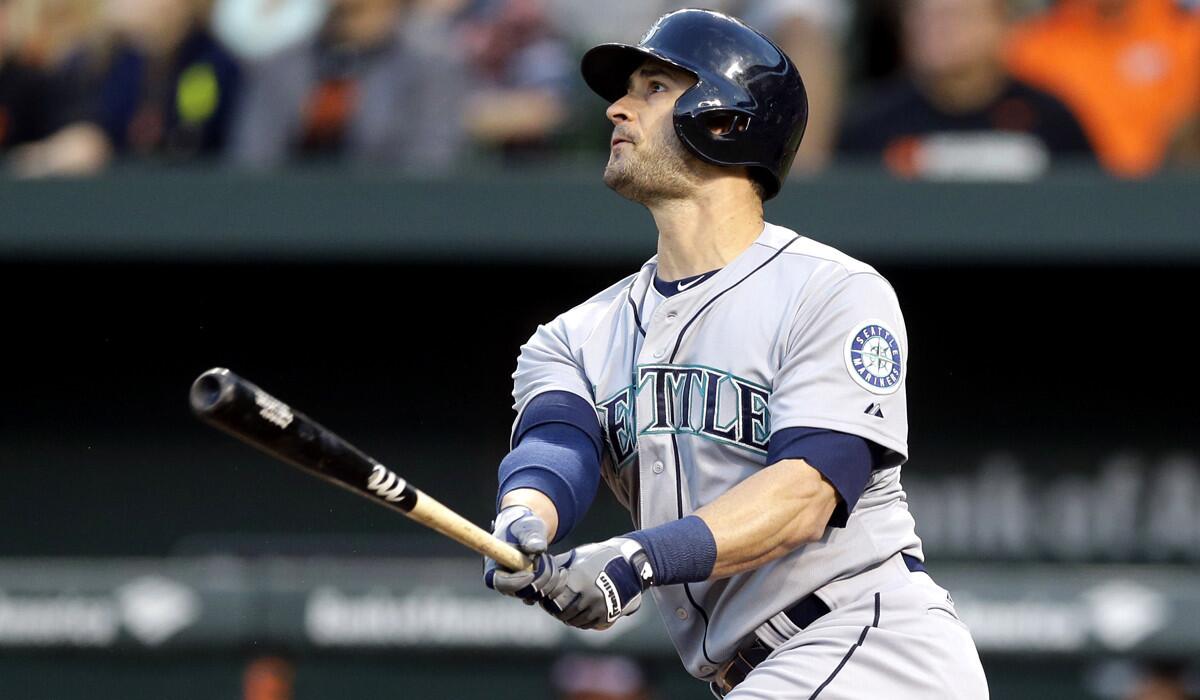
706,669
671,317
660,352
681,613
657,468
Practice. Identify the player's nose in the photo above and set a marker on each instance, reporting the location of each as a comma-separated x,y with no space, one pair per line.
619,111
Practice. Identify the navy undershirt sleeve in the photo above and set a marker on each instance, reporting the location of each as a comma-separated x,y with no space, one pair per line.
556,450
844,460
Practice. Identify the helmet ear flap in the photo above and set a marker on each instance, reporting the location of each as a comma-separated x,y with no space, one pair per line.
719,135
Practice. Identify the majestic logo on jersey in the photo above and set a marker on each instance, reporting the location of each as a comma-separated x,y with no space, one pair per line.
691,400
873,358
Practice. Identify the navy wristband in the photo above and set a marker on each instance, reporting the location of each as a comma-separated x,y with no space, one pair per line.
681,551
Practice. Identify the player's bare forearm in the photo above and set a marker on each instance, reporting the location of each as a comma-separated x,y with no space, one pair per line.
768,515
538,502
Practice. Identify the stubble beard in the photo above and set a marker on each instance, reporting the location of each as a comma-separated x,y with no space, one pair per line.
656,170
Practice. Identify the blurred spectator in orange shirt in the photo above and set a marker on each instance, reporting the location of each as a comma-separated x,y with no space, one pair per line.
1129,68
523,72
957,113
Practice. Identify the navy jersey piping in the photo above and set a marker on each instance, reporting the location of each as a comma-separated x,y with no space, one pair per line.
861,638
683,331
687,591
675,438
637,319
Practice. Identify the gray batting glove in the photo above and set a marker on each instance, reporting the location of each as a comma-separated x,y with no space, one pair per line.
518,526
596,584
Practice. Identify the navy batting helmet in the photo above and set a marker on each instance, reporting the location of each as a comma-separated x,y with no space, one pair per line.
746,86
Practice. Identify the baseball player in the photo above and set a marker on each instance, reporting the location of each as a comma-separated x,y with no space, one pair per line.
743,394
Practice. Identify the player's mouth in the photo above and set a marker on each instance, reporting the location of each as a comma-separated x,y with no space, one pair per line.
617,140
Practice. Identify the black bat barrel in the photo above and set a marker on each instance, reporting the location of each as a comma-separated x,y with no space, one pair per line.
226,401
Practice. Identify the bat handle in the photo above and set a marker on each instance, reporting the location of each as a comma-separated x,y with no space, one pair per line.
429,512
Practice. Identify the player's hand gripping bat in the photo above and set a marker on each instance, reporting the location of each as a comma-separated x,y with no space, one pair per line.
223,399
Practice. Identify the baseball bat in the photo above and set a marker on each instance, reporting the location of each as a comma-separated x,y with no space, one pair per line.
228,402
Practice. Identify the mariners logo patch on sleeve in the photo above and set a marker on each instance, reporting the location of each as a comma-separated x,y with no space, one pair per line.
873,358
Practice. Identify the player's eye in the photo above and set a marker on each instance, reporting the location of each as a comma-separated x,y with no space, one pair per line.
656,86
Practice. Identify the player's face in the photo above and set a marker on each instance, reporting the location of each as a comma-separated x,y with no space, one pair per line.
647,162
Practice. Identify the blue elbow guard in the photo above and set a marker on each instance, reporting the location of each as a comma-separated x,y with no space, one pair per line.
557,452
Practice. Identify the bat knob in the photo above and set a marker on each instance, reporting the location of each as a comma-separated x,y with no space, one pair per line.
212,388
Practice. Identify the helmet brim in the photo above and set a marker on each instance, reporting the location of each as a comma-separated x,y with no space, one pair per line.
606,68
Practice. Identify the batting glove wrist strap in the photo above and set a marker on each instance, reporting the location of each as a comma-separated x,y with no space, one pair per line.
596,584
635,553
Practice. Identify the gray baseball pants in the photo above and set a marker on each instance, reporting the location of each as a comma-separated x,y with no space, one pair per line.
903,643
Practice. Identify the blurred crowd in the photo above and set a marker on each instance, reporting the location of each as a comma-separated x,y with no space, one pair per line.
992,89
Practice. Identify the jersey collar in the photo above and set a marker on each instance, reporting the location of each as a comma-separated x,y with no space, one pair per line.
670,289
766,245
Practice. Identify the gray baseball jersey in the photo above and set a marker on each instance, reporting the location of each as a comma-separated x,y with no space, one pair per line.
689,389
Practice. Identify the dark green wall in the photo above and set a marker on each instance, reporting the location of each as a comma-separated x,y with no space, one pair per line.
568,217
